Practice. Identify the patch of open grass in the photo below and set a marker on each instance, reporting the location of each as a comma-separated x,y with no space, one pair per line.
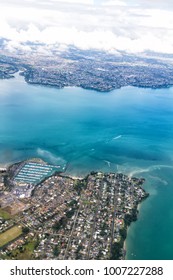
10,235
28,251
4,214
25,252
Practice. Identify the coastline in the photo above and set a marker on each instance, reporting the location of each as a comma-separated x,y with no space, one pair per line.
128,213
128,228
5,165
21,73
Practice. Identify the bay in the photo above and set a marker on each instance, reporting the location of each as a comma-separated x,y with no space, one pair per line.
127,130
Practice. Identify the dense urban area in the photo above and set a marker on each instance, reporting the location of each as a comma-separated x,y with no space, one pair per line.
88,69
45,214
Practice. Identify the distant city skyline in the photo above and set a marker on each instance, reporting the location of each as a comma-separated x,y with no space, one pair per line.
110,25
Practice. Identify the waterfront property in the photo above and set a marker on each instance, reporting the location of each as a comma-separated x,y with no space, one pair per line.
33,173
72,218
23,177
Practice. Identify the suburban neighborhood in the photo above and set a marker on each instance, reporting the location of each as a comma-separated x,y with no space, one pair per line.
61,217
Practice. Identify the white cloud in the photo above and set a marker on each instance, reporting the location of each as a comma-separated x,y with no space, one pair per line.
114,3
83,2
110,26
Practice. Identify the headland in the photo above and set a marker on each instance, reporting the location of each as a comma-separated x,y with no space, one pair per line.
45,214
92,70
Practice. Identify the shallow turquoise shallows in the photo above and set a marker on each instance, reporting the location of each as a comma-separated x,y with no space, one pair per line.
128,130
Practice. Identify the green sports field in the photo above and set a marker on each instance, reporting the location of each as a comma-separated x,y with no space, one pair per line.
10,235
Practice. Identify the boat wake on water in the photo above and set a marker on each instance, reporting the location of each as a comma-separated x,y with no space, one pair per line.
108,163
117,137
114,138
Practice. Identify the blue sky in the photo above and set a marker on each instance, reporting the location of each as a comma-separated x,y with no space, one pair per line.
111,25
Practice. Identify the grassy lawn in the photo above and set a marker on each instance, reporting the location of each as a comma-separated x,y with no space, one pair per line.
23,253
9,235
28,250
5,215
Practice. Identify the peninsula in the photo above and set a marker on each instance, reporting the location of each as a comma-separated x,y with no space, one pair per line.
89,69
45,214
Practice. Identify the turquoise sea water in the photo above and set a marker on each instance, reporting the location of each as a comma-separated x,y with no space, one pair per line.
128,130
